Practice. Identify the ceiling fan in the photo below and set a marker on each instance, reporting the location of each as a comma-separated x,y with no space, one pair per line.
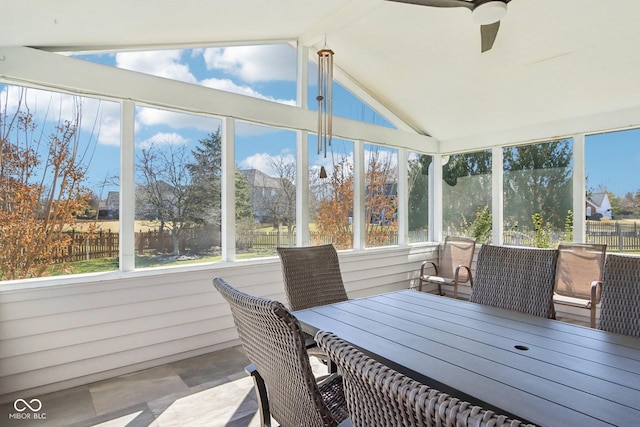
487,13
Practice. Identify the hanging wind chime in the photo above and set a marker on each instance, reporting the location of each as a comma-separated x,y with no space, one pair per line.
325,99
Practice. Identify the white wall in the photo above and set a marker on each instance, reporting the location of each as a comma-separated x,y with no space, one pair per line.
62,332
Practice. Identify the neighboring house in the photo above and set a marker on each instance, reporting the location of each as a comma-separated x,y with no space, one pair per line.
262,188
110,207
147,208
599,207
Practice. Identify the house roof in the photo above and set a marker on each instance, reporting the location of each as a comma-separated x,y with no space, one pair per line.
557,67
598,198
259,179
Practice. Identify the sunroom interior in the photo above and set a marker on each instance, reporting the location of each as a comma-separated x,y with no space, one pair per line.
558,70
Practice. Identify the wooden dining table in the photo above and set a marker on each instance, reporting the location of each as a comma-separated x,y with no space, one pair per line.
542,371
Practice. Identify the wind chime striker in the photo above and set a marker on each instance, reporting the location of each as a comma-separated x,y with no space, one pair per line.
325,101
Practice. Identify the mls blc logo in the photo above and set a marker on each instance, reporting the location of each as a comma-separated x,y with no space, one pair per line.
27,410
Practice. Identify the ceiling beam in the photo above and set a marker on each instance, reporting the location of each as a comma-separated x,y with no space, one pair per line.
35,68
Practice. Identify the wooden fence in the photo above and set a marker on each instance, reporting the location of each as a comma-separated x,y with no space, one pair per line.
105,244
84,246
619,237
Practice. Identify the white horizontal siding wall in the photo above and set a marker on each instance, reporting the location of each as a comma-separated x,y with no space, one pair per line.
64,332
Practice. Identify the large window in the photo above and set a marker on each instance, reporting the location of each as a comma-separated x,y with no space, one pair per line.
466,195
418,165
58,183
612,161
331,194
381,195
265,189
538,180
177,188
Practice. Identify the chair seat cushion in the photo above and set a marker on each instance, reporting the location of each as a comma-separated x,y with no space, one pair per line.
577,302
437,279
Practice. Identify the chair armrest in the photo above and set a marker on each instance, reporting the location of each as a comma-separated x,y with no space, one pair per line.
425,264
469,276
596,292
261,392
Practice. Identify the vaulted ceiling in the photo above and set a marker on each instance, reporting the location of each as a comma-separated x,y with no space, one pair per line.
557,66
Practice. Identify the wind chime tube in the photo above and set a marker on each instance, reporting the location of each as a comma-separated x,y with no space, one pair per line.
329,88
325,118
319,99
325,95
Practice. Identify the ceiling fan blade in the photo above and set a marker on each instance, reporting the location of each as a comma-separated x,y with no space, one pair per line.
488,35
439,3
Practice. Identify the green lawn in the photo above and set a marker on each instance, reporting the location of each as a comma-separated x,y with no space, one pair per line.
142,261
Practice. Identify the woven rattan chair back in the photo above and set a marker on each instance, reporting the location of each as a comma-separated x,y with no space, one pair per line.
273,341
579,266
311,276
379,396
520,279
619,311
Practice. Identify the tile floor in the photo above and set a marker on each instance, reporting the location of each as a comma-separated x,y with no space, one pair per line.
210,390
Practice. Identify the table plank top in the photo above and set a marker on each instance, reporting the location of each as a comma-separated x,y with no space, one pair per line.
538,370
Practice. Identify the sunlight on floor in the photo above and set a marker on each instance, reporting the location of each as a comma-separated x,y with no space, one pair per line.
120,422
224,405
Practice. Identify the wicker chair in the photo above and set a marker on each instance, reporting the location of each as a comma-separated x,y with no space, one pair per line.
579,276
520,279
379,396
454,265
311,276
285,384
621,295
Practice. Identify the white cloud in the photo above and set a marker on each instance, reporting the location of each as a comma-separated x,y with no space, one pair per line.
162,63
263,162
163,138
109,132
254,63
100,119
249,63
229,86
385,156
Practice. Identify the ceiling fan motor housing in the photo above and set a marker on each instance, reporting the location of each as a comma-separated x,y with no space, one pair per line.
489,11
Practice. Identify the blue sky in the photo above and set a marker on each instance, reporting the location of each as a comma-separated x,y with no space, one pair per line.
267,72
613,161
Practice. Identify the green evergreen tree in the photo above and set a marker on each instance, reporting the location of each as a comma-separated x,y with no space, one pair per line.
206,174
243,197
